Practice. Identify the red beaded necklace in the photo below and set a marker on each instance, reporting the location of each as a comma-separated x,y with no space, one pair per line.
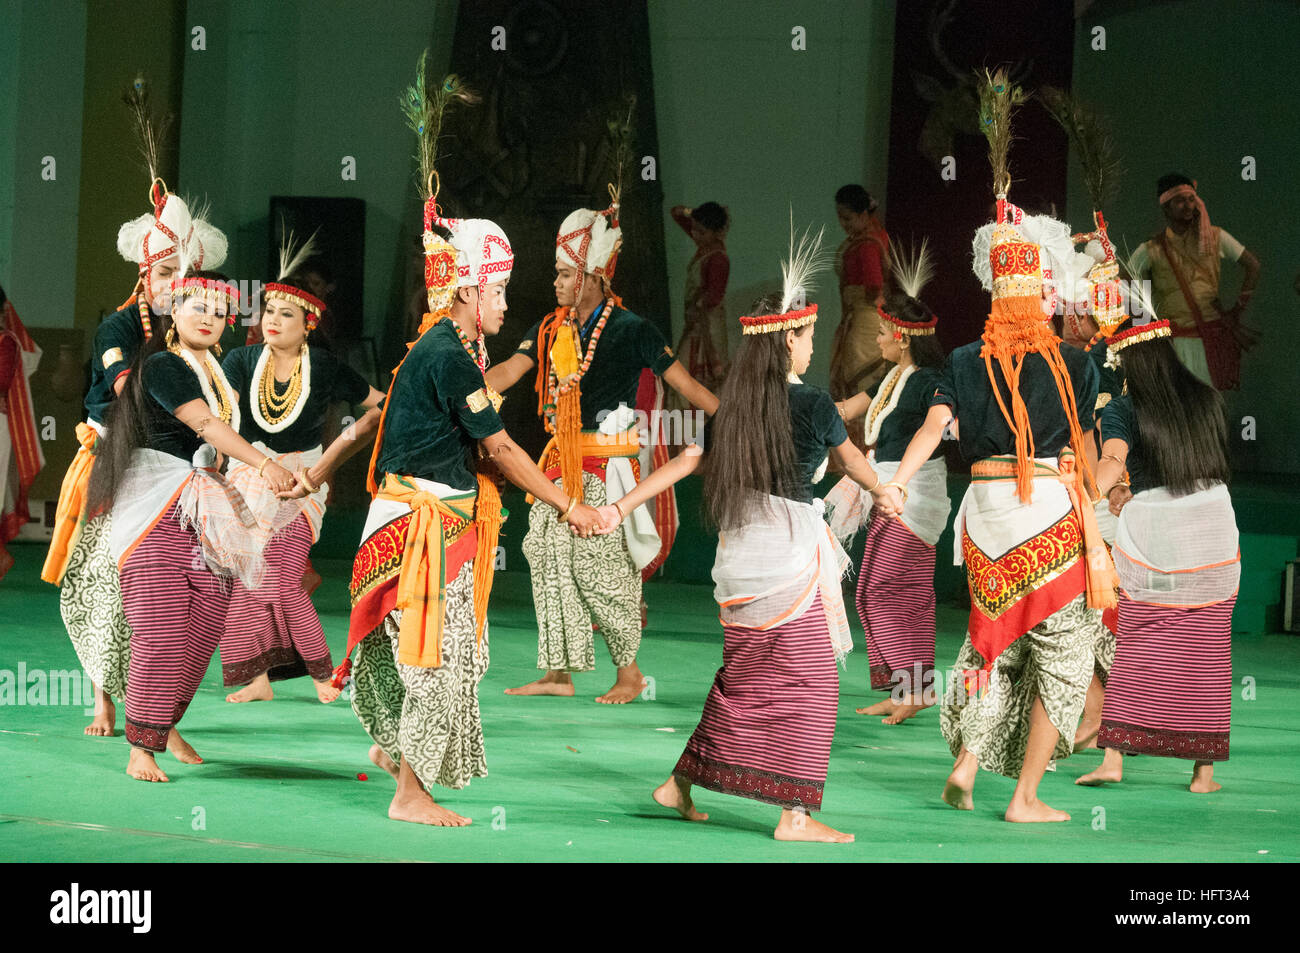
477,355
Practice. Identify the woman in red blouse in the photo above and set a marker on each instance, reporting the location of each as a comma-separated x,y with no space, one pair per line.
703,345
862,263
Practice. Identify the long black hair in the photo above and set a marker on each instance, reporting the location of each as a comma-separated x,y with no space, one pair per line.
925,348
751,448
127,420
1180,419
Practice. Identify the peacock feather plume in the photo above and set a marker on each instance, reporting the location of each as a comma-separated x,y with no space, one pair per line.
1088,133
999,98
148,130
424,105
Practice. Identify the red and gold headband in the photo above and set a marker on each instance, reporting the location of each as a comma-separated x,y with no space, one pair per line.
764,323
1134,335
920,328
312,305
210,289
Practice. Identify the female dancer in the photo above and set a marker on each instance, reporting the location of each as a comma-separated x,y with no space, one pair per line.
766,729
703,345
895,594
1170,688
285,389
177,529
862,263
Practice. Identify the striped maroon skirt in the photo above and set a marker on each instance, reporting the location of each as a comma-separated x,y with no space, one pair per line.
275,629
768,721
177,610
895,599
1170,688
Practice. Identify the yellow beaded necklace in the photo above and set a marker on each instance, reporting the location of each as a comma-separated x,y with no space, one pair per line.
273,406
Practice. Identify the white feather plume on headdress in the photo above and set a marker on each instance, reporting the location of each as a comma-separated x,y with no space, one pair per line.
292,259
806,259
130,237
913,268
1139,304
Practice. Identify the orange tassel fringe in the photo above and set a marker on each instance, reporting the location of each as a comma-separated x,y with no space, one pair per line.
1015,328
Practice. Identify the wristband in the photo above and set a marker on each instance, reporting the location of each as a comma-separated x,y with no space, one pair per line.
621,515
262,466
901,489
874,486
564,517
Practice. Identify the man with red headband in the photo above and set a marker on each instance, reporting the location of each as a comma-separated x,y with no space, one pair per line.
589,353
1182,263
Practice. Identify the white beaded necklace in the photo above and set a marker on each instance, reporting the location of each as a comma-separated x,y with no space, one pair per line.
886,399
206,385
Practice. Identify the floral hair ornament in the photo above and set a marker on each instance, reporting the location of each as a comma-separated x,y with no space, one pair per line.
290,261
1137,334
212,290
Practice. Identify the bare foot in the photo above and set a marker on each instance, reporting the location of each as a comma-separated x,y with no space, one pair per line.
380,759
959,789
419,808
142,766
258,690
1203,778
801,826
325,691
552,683
902,713
676,794
105,718
1033,812
1111,770
181,749
624,691
961,798
885,707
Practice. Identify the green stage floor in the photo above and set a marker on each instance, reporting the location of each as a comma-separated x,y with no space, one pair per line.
570,779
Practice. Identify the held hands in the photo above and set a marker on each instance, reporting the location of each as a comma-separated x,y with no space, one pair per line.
889,501
280,479
610,519
584,521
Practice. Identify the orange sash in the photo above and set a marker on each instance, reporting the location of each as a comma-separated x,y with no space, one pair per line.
70,514
591,444
422,583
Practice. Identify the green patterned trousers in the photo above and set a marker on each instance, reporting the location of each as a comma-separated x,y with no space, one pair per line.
1053,661
428,716
580,581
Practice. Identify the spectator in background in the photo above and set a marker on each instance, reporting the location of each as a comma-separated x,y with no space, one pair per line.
703,344
1182,263
20,450
862,263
